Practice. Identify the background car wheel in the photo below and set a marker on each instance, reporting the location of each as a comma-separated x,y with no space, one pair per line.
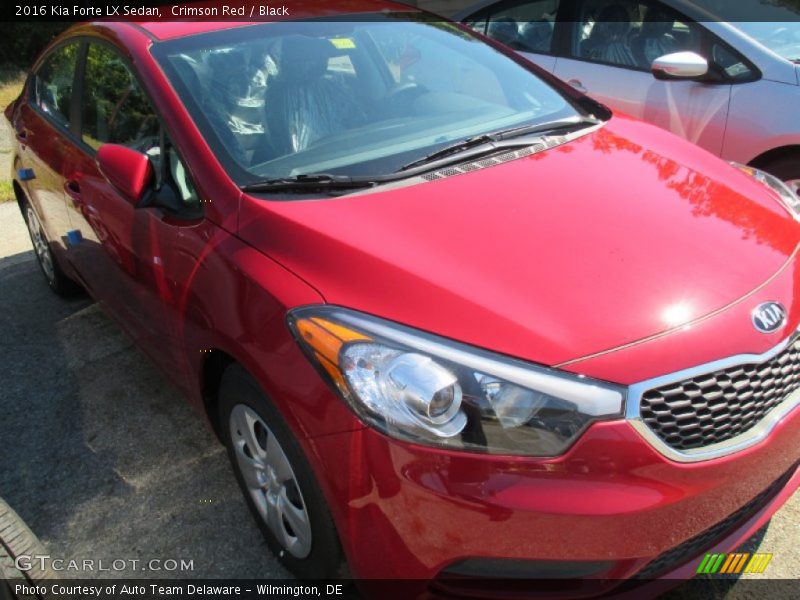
55,276
786,168
277,480
16,539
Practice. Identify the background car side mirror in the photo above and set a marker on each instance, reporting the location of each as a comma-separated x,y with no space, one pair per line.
680,65
129,171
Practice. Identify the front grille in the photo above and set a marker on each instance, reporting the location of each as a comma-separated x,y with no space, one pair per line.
693,547
718,406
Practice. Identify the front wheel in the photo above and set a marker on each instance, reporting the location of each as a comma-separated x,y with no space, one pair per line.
277,481
56,278
787,169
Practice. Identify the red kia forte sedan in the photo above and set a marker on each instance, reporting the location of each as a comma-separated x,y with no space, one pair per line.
451,318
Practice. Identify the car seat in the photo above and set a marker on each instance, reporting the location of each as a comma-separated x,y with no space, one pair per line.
505,30
655,39
202,91
302,104
536,36
608,41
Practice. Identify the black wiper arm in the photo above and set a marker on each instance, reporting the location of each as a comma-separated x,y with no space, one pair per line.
456,148
481,144
491,140
310,182
546,127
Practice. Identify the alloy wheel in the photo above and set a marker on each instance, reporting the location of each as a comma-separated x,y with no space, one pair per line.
270,480
40,246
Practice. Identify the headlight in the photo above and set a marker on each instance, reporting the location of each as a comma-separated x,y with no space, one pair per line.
788,197
426,389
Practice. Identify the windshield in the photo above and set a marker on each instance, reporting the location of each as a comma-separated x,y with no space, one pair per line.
781,38
279,100
774,23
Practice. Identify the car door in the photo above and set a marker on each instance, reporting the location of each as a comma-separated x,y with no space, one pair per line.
527,26
611,47
131,258
44,129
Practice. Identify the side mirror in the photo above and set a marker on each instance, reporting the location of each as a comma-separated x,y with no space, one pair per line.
129,171
680,65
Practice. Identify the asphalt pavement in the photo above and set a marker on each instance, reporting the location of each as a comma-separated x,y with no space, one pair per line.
104,460
99,454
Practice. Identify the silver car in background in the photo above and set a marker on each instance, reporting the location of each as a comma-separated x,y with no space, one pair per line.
724,74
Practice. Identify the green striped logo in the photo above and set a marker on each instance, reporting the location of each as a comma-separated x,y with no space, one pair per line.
734,563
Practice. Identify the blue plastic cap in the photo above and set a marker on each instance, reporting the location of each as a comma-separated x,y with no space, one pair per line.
74,237
26,174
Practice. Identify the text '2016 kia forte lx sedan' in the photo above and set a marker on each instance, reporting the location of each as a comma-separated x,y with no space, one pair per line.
449,316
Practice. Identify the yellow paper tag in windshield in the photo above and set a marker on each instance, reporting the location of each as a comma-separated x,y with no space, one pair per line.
343,43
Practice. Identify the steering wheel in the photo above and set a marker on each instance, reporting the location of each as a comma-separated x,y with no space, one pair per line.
403,88
397,101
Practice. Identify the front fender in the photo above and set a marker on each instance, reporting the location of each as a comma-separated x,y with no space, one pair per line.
763,117
236,302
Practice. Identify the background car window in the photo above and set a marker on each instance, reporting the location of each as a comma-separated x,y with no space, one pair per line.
631,34
783,38
730,63
477,22
115,109
524,26
54,81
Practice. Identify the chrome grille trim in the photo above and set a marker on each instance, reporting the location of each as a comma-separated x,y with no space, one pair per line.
744,440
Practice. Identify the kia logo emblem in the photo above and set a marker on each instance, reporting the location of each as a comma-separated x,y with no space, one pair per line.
768,317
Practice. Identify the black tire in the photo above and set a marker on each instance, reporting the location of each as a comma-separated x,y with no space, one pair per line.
325,560
58,281
16,540
785,168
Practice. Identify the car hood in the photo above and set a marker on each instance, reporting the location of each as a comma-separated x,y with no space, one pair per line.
625,233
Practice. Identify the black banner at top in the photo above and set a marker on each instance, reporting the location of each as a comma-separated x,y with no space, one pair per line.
26,11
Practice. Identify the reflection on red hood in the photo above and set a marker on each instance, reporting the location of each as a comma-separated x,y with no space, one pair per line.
597,243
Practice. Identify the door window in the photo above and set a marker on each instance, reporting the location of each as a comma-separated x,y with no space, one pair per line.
631,34
115,109
524,26
731,64
53,83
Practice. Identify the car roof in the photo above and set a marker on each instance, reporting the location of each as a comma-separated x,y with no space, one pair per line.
297,9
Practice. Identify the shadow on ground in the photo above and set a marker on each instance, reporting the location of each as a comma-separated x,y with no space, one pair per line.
100,455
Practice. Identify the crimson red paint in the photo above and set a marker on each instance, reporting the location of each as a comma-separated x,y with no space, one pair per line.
623,255
127,170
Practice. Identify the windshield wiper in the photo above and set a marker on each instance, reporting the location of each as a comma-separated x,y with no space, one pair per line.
547,127
309,183
492,141
482,144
